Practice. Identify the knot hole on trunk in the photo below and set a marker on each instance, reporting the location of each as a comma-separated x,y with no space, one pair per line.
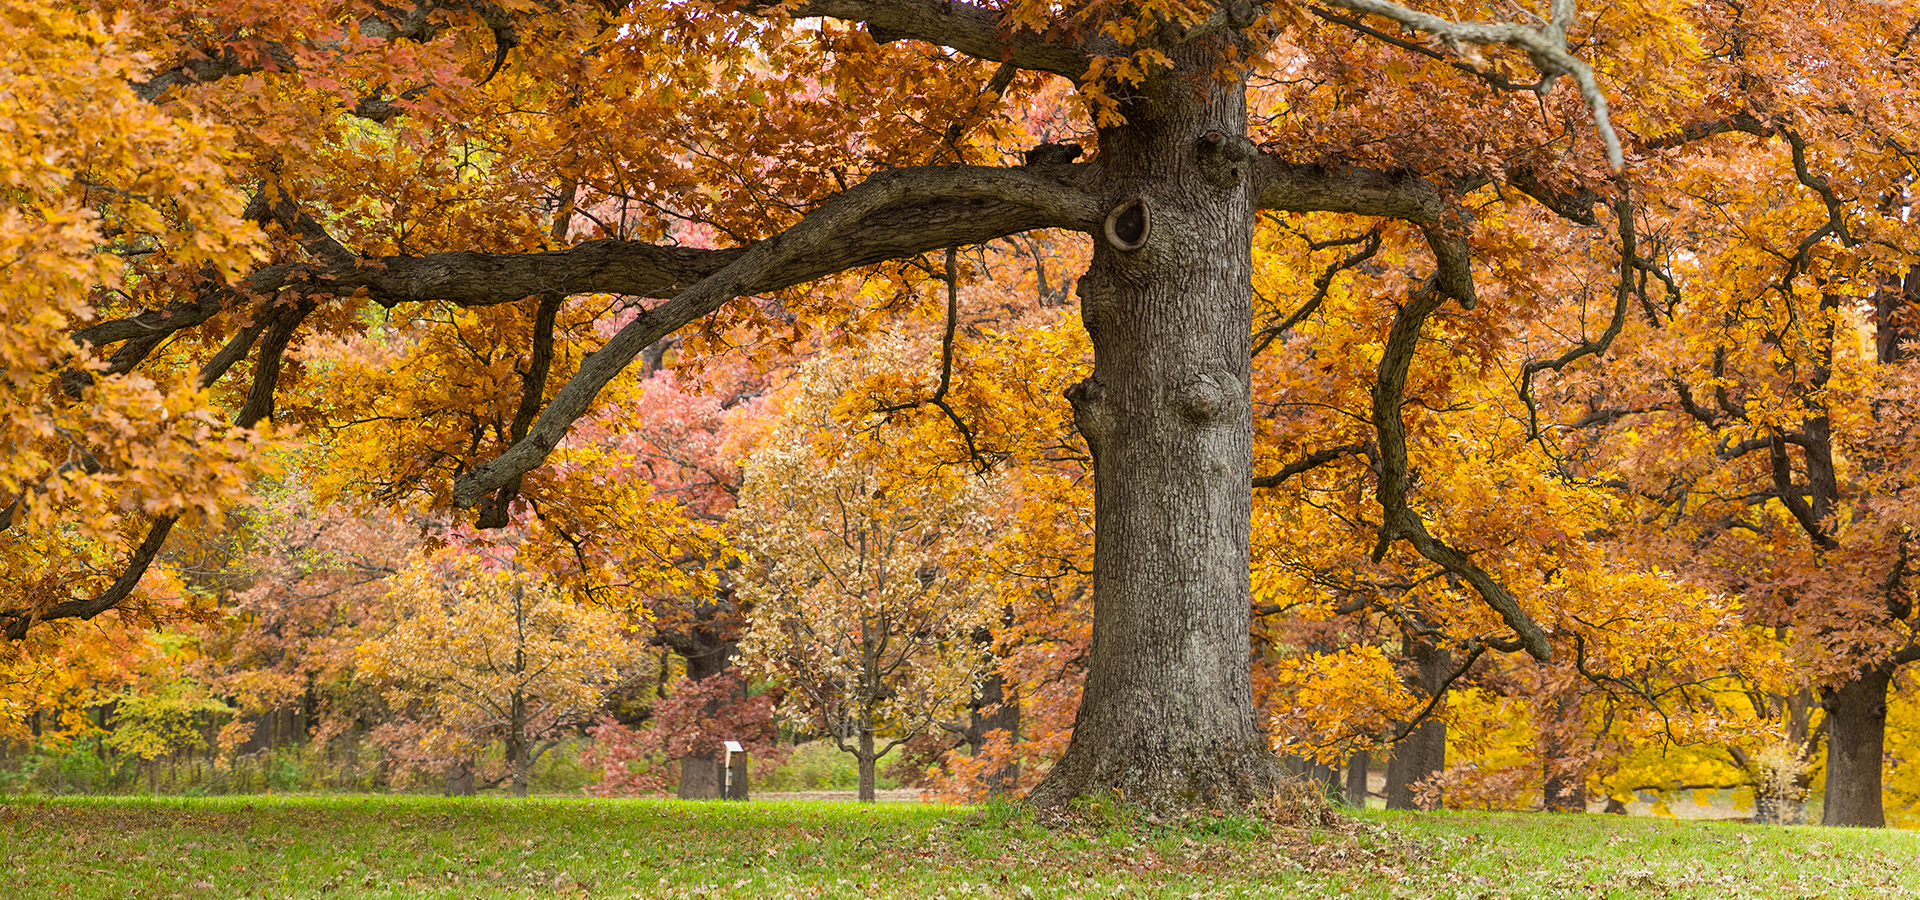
1129,225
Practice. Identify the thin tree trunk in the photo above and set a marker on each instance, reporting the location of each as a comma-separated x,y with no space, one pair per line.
518,751
866,758
1564,785
460,779
1167,717
1856,734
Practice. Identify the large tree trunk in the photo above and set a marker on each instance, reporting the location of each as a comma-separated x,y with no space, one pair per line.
1856,736
707,656
1167,718
1422,754
699,777
1004,716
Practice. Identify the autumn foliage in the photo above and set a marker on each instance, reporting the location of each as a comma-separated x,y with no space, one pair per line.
1111,398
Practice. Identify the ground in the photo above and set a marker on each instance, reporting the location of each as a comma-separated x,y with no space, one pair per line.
410,847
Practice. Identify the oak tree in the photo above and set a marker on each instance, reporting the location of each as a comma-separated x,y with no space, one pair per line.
511,185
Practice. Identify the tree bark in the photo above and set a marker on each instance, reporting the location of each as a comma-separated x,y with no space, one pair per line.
1167,718
1422,754
518,751
993,710
867,765
699,777
1356,792
1856,733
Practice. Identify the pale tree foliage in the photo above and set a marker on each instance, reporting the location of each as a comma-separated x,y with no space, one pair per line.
493,651
862,602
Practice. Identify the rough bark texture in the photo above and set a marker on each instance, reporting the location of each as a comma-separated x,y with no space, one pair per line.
1422,754
1856,732
1167,718
699,777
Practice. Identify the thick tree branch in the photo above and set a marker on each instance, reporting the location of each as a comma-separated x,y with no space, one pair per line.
1398,519
475,278
1742,122
1298,187
973,30
769,264
1576,206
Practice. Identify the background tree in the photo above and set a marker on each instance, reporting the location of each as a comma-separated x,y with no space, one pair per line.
862,605
495,652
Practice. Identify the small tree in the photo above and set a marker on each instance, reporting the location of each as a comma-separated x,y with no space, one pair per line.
493,651
859,604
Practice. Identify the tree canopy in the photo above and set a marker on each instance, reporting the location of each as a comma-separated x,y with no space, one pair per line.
1564,332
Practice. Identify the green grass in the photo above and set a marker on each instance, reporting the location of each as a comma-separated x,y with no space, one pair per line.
407,847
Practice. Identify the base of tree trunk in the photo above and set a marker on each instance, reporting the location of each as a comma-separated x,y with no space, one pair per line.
1158,776
1856,741
699,777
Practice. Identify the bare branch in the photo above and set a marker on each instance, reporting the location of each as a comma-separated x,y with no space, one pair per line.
1545,46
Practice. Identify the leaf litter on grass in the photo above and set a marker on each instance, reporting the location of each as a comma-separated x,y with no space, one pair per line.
420,848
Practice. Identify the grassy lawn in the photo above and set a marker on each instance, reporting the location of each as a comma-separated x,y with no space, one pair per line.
406,847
